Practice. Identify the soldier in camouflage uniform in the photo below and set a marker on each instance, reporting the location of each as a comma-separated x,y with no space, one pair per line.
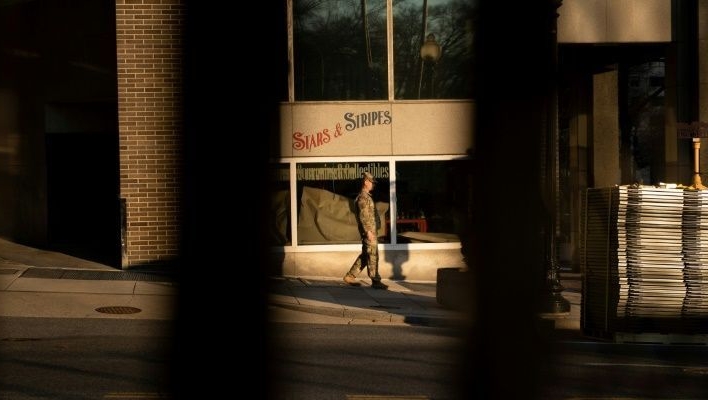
369,222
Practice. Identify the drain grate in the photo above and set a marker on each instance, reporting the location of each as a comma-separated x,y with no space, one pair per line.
118,310
93,275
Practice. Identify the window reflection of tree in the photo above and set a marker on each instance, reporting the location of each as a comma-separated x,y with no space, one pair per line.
453,24
340,49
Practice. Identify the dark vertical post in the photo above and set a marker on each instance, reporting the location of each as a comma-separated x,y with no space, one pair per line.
685,34
552,301
510,245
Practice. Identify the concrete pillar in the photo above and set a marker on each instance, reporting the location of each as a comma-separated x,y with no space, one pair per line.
605,130
685,37
578,133
702,82
671,141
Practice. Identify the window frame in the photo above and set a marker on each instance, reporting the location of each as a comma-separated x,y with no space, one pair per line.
390,65
391,160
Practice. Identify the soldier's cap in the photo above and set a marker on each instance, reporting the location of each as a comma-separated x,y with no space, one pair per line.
367,176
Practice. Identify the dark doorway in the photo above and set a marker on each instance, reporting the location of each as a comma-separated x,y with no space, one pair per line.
82,196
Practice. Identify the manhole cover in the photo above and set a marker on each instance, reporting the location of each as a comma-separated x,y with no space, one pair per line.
118,310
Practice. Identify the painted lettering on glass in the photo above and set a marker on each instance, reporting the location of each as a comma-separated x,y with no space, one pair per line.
309,141
356,121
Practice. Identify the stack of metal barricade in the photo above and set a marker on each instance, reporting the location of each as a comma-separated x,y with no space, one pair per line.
644,252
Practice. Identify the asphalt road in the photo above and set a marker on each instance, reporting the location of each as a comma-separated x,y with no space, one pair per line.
318,357
348,361
66,358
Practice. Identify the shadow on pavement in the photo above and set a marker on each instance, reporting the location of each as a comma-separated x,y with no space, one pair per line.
407,302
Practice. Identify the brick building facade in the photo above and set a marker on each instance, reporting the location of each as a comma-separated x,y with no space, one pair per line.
149,51
91,129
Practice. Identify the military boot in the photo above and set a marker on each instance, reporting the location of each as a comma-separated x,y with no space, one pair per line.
379,285
351,281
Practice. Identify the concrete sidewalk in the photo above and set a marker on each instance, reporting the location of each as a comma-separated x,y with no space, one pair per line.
404,302
40,283
22,296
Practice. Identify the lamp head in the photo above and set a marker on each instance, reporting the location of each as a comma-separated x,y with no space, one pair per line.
430,50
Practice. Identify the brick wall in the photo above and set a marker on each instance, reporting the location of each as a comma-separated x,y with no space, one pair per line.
149,46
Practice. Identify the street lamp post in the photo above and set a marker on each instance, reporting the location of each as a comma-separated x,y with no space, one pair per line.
430,53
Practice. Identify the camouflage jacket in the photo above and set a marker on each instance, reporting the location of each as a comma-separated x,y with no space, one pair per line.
367,214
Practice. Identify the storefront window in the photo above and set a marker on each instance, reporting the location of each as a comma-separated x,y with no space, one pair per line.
432,199
279,223
340,50
446,73
326,193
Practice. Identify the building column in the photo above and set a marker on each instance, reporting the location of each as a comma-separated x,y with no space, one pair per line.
685,38
702,32
605,130
149,49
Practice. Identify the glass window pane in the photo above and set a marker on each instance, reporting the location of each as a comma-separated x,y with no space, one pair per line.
279,222
452,25
326,193
340,50
432,199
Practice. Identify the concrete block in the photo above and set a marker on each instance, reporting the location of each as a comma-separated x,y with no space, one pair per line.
454,289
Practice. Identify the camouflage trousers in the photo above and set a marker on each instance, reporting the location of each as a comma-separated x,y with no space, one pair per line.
369,259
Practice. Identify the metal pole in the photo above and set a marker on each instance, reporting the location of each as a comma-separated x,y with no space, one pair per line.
423,30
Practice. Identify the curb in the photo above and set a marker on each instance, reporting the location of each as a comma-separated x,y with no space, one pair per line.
380,316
